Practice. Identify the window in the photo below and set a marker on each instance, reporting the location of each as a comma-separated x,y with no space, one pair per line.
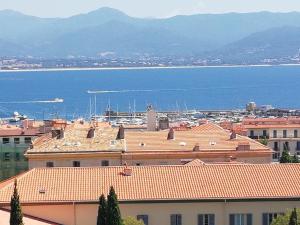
240,219
284,133
274,133
206,219
264,133
49,164
286,145
295,133
6,156
276,155
5,140
138,164
176,219
27,140
298,146
143,218
276,147
76,164
269,217
18,156
251,133
104,163
17,140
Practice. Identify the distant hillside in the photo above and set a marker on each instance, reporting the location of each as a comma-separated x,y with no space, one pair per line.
278,42
109,30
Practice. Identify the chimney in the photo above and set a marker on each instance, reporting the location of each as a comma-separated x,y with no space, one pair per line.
151,119
55,133
127,171
233,135
196,147
243,146
121,133
61,134
91,133
171,135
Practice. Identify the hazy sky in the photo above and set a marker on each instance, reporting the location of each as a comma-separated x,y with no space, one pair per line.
147,8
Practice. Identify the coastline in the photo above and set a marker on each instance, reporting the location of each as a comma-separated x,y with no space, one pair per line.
138,68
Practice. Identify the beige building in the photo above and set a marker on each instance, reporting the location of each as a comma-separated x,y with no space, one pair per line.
81,145
280,133
237,194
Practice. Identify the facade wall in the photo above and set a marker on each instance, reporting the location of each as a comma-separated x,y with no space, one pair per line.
12,159
96,162
159,213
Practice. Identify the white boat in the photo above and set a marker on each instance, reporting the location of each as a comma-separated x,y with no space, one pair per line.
58,100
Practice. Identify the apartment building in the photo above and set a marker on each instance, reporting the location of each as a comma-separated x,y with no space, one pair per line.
87,145
16,139
206,194
280,133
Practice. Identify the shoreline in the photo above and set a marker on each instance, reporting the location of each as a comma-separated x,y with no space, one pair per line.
138,68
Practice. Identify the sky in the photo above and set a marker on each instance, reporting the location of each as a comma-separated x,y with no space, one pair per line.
147,8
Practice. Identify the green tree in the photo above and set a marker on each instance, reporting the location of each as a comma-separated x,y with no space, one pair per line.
293,217
132,221
295,159
288,218
102,211
16,216
264,141
113,210
285,158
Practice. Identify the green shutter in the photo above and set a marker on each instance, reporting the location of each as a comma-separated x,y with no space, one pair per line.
173,219
231,219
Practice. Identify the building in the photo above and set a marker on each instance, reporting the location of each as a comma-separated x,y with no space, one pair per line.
109,146
234,194
14,140
280,133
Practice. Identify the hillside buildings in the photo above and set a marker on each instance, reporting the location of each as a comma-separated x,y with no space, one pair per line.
92,145
228,194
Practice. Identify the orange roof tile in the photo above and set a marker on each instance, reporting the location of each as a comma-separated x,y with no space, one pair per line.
206,182
209,136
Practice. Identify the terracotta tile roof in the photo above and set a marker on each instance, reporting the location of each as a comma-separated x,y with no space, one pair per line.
210,137
19,132
195,162
75,140
206,182
261,123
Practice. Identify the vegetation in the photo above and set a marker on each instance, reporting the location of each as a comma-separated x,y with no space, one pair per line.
16,215
264,141
102,211
132,221
286,158
113,210
290,218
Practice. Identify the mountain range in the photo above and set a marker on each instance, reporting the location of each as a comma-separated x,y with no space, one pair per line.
230,36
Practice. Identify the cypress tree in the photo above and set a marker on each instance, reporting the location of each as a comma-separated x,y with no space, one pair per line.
113,210
293,217
285,158
16,216
102,211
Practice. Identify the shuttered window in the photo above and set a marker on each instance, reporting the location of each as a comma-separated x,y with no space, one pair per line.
240,219
143,218
267,218
176,219
206,219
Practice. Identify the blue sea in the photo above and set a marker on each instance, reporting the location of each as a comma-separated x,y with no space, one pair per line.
129,89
